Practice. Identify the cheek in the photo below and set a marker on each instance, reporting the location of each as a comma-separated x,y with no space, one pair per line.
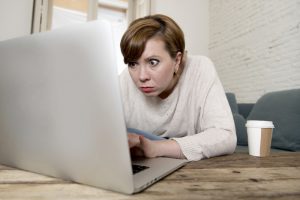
164,77
133,76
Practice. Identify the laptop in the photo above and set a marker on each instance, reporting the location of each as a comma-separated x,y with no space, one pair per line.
61,111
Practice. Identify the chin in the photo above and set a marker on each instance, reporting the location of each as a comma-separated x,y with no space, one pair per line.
152,94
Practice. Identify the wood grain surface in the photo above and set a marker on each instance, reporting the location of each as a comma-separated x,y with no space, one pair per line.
236,176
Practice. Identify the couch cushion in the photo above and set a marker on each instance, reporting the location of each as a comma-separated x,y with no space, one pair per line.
283,108
232,102
245,109
241,131
239,120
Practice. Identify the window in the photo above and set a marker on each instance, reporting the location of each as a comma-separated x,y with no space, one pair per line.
65,12
52,14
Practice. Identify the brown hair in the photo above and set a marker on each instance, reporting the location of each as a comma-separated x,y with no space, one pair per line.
141,30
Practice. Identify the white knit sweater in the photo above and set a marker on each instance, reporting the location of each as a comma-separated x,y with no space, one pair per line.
196,114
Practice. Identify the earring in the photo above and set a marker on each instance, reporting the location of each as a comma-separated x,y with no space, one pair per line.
175,72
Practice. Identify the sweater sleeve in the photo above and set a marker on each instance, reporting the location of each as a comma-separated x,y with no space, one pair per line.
217,135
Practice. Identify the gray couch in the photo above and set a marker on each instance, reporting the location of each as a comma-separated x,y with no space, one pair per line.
282,107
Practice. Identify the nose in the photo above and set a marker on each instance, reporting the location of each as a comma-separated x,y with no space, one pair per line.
144,74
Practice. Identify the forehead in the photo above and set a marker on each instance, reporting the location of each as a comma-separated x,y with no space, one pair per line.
154,46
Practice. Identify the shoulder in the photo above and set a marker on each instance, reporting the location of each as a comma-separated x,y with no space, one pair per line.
125,81
124,75
199,61
198,65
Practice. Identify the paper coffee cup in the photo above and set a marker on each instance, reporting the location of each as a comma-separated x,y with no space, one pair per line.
259,137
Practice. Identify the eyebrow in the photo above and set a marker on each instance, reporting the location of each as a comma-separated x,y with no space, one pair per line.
151,57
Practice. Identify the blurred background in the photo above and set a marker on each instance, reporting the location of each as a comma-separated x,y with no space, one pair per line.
254,44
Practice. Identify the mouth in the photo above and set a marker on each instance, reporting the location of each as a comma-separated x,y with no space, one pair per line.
147,89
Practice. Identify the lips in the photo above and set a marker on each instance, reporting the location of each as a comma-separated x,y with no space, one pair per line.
147,89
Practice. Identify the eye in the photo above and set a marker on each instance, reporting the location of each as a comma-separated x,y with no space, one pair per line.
132,64
153,62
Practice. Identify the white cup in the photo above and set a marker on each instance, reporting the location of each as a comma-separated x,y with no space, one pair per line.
259,137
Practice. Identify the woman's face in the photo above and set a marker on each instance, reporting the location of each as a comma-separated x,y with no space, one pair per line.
153,72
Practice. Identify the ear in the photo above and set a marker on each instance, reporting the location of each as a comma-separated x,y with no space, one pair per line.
178,60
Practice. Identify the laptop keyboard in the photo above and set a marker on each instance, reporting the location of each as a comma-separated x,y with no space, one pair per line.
138,168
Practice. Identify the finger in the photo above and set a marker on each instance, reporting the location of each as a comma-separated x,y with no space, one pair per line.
143,141
148,147
133,140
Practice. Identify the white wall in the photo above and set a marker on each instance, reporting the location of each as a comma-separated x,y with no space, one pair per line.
192,17
15,18
255,45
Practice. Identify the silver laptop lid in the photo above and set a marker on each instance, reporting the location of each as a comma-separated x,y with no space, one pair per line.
60,107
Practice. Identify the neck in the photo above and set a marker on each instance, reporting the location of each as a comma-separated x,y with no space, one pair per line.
173,84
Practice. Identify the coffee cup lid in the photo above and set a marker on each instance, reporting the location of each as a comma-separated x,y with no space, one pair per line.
259,124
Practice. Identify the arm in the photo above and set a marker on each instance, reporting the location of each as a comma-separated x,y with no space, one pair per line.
149,148
217,134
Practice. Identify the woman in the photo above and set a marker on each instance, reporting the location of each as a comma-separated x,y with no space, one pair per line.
172,95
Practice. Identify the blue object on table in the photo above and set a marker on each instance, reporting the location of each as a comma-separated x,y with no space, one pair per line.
150,136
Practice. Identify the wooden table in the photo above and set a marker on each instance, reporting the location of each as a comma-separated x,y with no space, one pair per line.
237,176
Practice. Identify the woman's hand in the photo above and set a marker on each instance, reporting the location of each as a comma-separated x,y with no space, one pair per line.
141,146
133,140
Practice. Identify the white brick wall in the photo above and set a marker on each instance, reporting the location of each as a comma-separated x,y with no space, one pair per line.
255,45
